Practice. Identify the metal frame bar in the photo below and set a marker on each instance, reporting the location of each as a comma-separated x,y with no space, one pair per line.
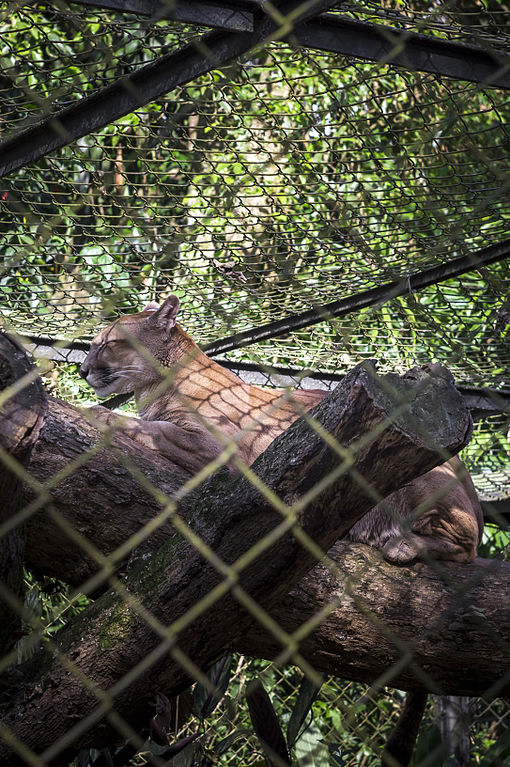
401,48
235,16
482,402
362,300
337,34
122,97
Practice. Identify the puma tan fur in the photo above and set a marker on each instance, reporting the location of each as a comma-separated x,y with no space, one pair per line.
190,407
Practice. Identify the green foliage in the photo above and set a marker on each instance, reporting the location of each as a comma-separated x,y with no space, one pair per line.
204,700
429,750
49,605
288,180
308,691
498,754
495,542
285,181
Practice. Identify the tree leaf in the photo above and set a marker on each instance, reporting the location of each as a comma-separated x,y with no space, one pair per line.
499,753
103,758
336,759
306,696
84,758
310,750
223,745
204,702
124,754
185,757
176,748
266,724
429,750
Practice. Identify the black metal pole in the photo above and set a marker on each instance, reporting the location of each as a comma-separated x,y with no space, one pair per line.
365,298
405,49
349,37
218,14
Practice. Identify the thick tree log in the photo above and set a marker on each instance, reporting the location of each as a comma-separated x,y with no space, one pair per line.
100,499
453,621
107,506
104,502
21,416
111,640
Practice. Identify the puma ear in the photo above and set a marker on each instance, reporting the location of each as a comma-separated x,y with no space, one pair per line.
165,315
151,307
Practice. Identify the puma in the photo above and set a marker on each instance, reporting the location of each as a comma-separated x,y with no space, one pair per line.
190,407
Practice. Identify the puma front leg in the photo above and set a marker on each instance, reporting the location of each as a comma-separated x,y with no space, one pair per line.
192,447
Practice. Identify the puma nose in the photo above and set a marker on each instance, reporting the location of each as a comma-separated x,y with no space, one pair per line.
84,371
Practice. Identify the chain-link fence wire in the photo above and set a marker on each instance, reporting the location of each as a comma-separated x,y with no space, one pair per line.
344,714
290,181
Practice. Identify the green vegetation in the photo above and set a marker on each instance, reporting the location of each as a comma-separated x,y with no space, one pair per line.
285,181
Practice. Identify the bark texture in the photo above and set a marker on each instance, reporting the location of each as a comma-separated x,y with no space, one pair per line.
124,653
420,606
21,416
100,498
450,622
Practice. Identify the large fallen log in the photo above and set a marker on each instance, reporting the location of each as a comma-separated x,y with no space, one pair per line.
118,653
445,628
21,416
102,501
390,610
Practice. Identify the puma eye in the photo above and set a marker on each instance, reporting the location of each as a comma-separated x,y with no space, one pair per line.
108,345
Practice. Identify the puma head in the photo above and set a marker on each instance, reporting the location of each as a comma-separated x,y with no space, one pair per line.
126,355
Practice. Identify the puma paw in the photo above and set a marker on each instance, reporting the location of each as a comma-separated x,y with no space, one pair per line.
399,551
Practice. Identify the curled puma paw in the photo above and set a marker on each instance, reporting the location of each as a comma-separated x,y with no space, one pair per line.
399,551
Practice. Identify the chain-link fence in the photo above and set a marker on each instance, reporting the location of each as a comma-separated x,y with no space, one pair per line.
324,189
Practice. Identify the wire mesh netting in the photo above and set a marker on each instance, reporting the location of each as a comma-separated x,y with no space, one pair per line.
313,209
466,22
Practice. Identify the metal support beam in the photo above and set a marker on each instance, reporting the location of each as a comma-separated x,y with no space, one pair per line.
362,300
402,48
349,37
216,49
482,402
222,15
365,298
147,83
337,34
